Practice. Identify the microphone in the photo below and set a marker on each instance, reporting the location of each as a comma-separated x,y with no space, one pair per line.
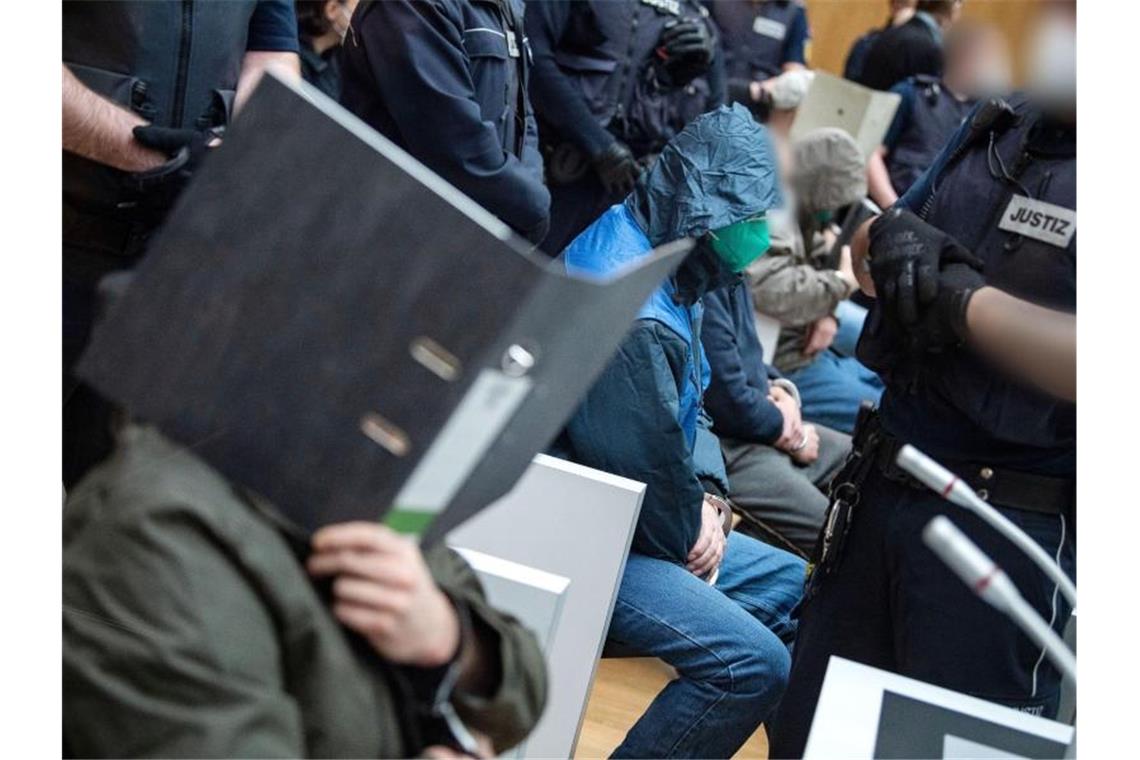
950,487
990,582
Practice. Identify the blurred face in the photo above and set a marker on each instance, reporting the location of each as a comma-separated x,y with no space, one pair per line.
982,68
956,12
1052,60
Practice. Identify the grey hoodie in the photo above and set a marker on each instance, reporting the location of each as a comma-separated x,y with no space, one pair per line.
792,283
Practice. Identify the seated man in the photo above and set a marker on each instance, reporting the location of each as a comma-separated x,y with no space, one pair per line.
797,285
932,108
717,609
192,626
779,468
200,621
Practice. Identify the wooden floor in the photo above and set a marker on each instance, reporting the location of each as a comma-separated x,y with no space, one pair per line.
623,688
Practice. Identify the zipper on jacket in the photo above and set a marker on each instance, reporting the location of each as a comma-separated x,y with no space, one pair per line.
697,375
183,63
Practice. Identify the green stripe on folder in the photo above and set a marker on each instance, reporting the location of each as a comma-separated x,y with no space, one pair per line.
410,521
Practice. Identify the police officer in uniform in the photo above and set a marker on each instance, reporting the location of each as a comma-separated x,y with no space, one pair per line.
761,40
933,113
899,13
446,81
932,109
913,47
974,333
147,86
613,83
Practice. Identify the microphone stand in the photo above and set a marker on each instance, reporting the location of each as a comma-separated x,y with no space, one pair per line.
950,487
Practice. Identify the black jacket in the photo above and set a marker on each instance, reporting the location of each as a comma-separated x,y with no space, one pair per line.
900,52
591,74
446,81
737,396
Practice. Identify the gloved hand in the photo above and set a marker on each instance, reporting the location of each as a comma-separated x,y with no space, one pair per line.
617,168
907,255
790,88
683,52
155,190
171,141
943,322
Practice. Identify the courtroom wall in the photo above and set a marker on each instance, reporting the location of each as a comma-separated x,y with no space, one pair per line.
837,23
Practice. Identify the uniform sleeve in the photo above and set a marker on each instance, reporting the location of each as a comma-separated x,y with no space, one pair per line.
856,57
906,91
798,37
916,195
739,409
628,425
555,96
144,674
273,27
512,710
416,56
717,76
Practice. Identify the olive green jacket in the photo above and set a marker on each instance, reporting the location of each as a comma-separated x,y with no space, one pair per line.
190,628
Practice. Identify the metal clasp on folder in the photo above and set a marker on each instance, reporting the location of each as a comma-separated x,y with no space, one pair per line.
385,433
435,358
517,361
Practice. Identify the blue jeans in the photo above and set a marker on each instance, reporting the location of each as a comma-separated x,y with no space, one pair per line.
851,317
729,644
832,387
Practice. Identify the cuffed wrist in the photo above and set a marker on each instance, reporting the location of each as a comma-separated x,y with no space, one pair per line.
790,387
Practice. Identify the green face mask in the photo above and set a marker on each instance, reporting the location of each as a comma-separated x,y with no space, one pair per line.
824,217
738,245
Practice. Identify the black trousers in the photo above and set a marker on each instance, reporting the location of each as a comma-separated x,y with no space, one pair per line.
890,603
87,437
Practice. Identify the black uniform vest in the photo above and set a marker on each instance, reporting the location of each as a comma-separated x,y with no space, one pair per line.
607,52
754,36
935,115
961,406
176,64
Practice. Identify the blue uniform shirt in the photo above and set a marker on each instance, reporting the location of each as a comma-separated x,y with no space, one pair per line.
273,27
966,409
759,39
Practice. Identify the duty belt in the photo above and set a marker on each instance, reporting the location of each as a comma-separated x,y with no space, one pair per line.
1003,487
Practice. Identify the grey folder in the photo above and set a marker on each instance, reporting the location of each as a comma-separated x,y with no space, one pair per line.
863,113
335,327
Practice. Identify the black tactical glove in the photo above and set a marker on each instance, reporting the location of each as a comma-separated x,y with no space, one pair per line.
907,255
684,52
155,190
943,322
617,168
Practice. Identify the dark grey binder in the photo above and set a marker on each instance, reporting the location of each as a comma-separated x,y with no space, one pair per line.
335,327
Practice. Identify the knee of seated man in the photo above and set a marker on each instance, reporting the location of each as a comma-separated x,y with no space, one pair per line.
757,668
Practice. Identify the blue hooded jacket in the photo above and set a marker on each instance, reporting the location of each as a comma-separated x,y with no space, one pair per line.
643,419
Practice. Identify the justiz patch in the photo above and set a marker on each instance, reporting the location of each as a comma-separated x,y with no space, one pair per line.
768,27
1039,220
